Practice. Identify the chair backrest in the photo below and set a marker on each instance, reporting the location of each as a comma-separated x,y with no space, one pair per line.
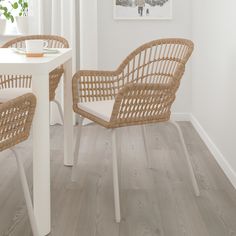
16,118
156,61
54,41
148,80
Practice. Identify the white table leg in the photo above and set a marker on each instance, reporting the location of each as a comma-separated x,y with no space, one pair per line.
68,115
41,155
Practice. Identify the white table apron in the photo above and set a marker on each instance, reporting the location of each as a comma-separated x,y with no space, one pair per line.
11,63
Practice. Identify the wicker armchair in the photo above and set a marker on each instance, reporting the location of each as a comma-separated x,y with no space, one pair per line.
12,86
139,92
16,118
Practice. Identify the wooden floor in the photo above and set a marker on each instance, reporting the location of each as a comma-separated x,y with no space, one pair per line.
158,201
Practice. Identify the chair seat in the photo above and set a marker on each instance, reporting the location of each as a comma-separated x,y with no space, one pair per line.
100,109
7,94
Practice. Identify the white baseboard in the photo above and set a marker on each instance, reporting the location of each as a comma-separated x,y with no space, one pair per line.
219,157
215,151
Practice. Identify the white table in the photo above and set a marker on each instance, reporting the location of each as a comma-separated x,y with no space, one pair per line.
39,68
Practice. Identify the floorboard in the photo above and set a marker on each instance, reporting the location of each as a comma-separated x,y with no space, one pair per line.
155,201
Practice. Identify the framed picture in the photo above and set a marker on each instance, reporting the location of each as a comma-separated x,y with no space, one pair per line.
143,9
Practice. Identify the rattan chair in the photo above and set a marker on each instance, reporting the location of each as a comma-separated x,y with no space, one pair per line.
16,117
12,86
139,92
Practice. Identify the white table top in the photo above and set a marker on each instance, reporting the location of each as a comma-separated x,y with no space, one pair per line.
14,63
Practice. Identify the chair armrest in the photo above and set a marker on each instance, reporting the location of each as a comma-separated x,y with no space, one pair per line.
16,118
140,103
94,86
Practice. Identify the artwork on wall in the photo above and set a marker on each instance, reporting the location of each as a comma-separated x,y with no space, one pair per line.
143,9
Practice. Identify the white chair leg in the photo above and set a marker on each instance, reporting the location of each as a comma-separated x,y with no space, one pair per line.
115,178
76,148
59,109
144,133
193,178
26,195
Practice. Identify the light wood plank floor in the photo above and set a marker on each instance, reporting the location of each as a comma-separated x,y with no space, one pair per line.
158,201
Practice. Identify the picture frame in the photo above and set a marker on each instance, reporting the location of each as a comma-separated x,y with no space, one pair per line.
142,9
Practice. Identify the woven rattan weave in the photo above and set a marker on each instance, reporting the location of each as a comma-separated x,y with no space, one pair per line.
143,87
24,81
16,117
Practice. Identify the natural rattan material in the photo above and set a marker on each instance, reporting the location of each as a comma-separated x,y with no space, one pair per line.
24,81
144,85
16,118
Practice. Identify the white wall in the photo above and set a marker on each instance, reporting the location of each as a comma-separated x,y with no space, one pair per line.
4,39
116,39
214,77
88,34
